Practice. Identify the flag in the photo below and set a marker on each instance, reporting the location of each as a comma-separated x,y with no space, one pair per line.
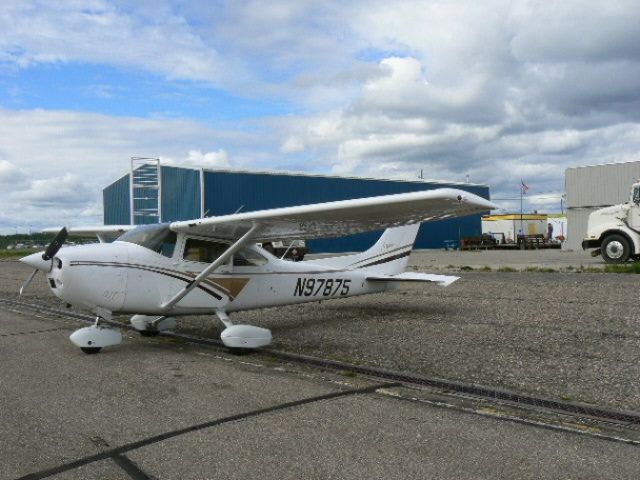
524,187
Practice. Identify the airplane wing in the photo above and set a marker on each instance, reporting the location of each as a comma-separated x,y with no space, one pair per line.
88,231
442,280
102,232
336,219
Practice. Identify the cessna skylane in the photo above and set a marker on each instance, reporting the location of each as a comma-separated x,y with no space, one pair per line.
213,265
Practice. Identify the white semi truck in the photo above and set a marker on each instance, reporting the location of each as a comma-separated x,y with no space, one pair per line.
615,231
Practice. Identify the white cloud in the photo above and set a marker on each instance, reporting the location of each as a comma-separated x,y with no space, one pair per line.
68,189
217,159
98,32
57,162
573,30
495,90
10,174
292,145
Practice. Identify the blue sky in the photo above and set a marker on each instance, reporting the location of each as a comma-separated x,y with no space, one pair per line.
129,92
498,91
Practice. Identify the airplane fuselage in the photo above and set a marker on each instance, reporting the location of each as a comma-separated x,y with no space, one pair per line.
121,277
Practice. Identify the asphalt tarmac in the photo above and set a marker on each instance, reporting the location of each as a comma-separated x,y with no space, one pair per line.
157,409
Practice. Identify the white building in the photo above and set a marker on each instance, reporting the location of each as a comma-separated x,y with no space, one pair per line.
512,224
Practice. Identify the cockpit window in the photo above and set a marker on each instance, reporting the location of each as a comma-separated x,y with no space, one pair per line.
207,251
248,258
203,250
157,237
636,194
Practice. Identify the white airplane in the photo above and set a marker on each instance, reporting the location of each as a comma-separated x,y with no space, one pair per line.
213,265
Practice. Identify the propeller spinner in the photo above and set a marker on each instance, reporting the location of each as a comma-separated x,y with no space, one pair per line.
42,262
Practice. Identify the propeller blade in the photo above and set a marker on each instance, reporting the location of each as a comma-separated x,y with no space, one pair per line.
28,282
55,244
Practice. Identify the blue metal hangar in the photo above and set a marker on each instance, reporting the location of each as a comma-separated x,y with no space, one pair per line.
153,193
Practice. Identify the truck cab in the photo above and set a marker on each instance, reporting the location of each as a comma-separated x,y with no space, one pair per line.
615,231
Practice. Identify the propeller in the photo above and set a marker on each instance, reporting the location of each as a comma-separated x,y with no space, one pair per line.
55,244
28,282
41,262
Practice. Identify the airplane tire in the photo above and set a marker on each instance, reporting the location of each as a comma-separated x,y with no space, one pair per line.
240,351
90,350
615,249
149,333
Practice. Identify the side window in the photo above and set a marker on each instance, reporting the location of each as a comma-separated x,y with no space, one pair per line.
202,250
636,195
168,245
248,258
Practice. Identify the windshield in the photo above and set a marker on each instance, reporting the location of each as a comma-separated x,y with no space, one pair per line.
156,237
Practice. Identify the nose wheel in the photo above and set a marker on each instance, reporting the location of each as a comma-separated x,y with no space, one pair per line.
90,350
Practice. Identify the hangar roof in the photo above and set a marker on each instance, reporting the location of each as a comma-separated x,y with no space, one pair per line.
317,175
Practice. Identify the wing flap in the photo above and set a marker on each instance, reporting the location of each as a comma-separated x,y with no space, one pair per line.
336,219
442,280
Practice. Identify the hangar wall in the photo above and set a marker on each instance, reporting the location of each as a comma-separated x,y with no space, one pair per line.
593,187
188,193
116,204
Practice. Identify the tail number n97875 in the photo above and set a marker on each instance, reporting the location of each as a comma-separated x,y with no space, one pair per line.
325,287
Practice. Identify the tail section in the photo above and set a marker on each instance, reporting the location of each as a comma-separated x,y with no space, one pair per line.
388,256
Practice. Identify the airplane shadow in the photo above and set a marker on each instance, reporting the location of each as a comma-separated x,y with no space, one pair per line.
313,316
339,315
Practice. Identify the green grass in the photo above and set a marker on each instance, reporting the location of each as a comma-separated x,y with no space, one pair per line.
540,270
590,270
623,268
16,253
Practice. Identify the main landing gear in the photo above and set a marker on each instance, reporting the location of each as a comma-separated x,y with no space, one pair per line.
92,339
150,326
242,337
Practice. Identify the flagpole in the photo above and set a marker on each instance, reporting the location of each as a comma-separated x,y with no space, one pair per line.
521,193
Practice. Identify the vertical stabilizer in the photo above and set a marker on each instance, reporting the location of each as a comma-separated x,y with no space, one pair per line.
388,256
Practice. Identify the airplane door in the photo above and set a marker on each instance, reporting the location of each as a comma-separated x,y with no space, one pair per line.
197,255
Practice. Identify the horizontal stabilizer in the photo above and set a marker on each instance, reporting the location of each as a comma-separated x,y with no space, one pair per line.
442,280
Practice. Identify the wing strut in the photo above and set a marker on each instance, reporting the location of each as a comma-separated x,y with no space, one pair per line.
215,264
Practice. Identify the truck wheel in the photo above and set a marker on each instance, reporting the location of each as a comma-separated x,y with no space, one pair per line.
615,249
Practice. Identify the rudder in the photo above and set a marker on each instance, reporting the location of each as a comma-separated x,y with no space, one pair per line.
390,254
